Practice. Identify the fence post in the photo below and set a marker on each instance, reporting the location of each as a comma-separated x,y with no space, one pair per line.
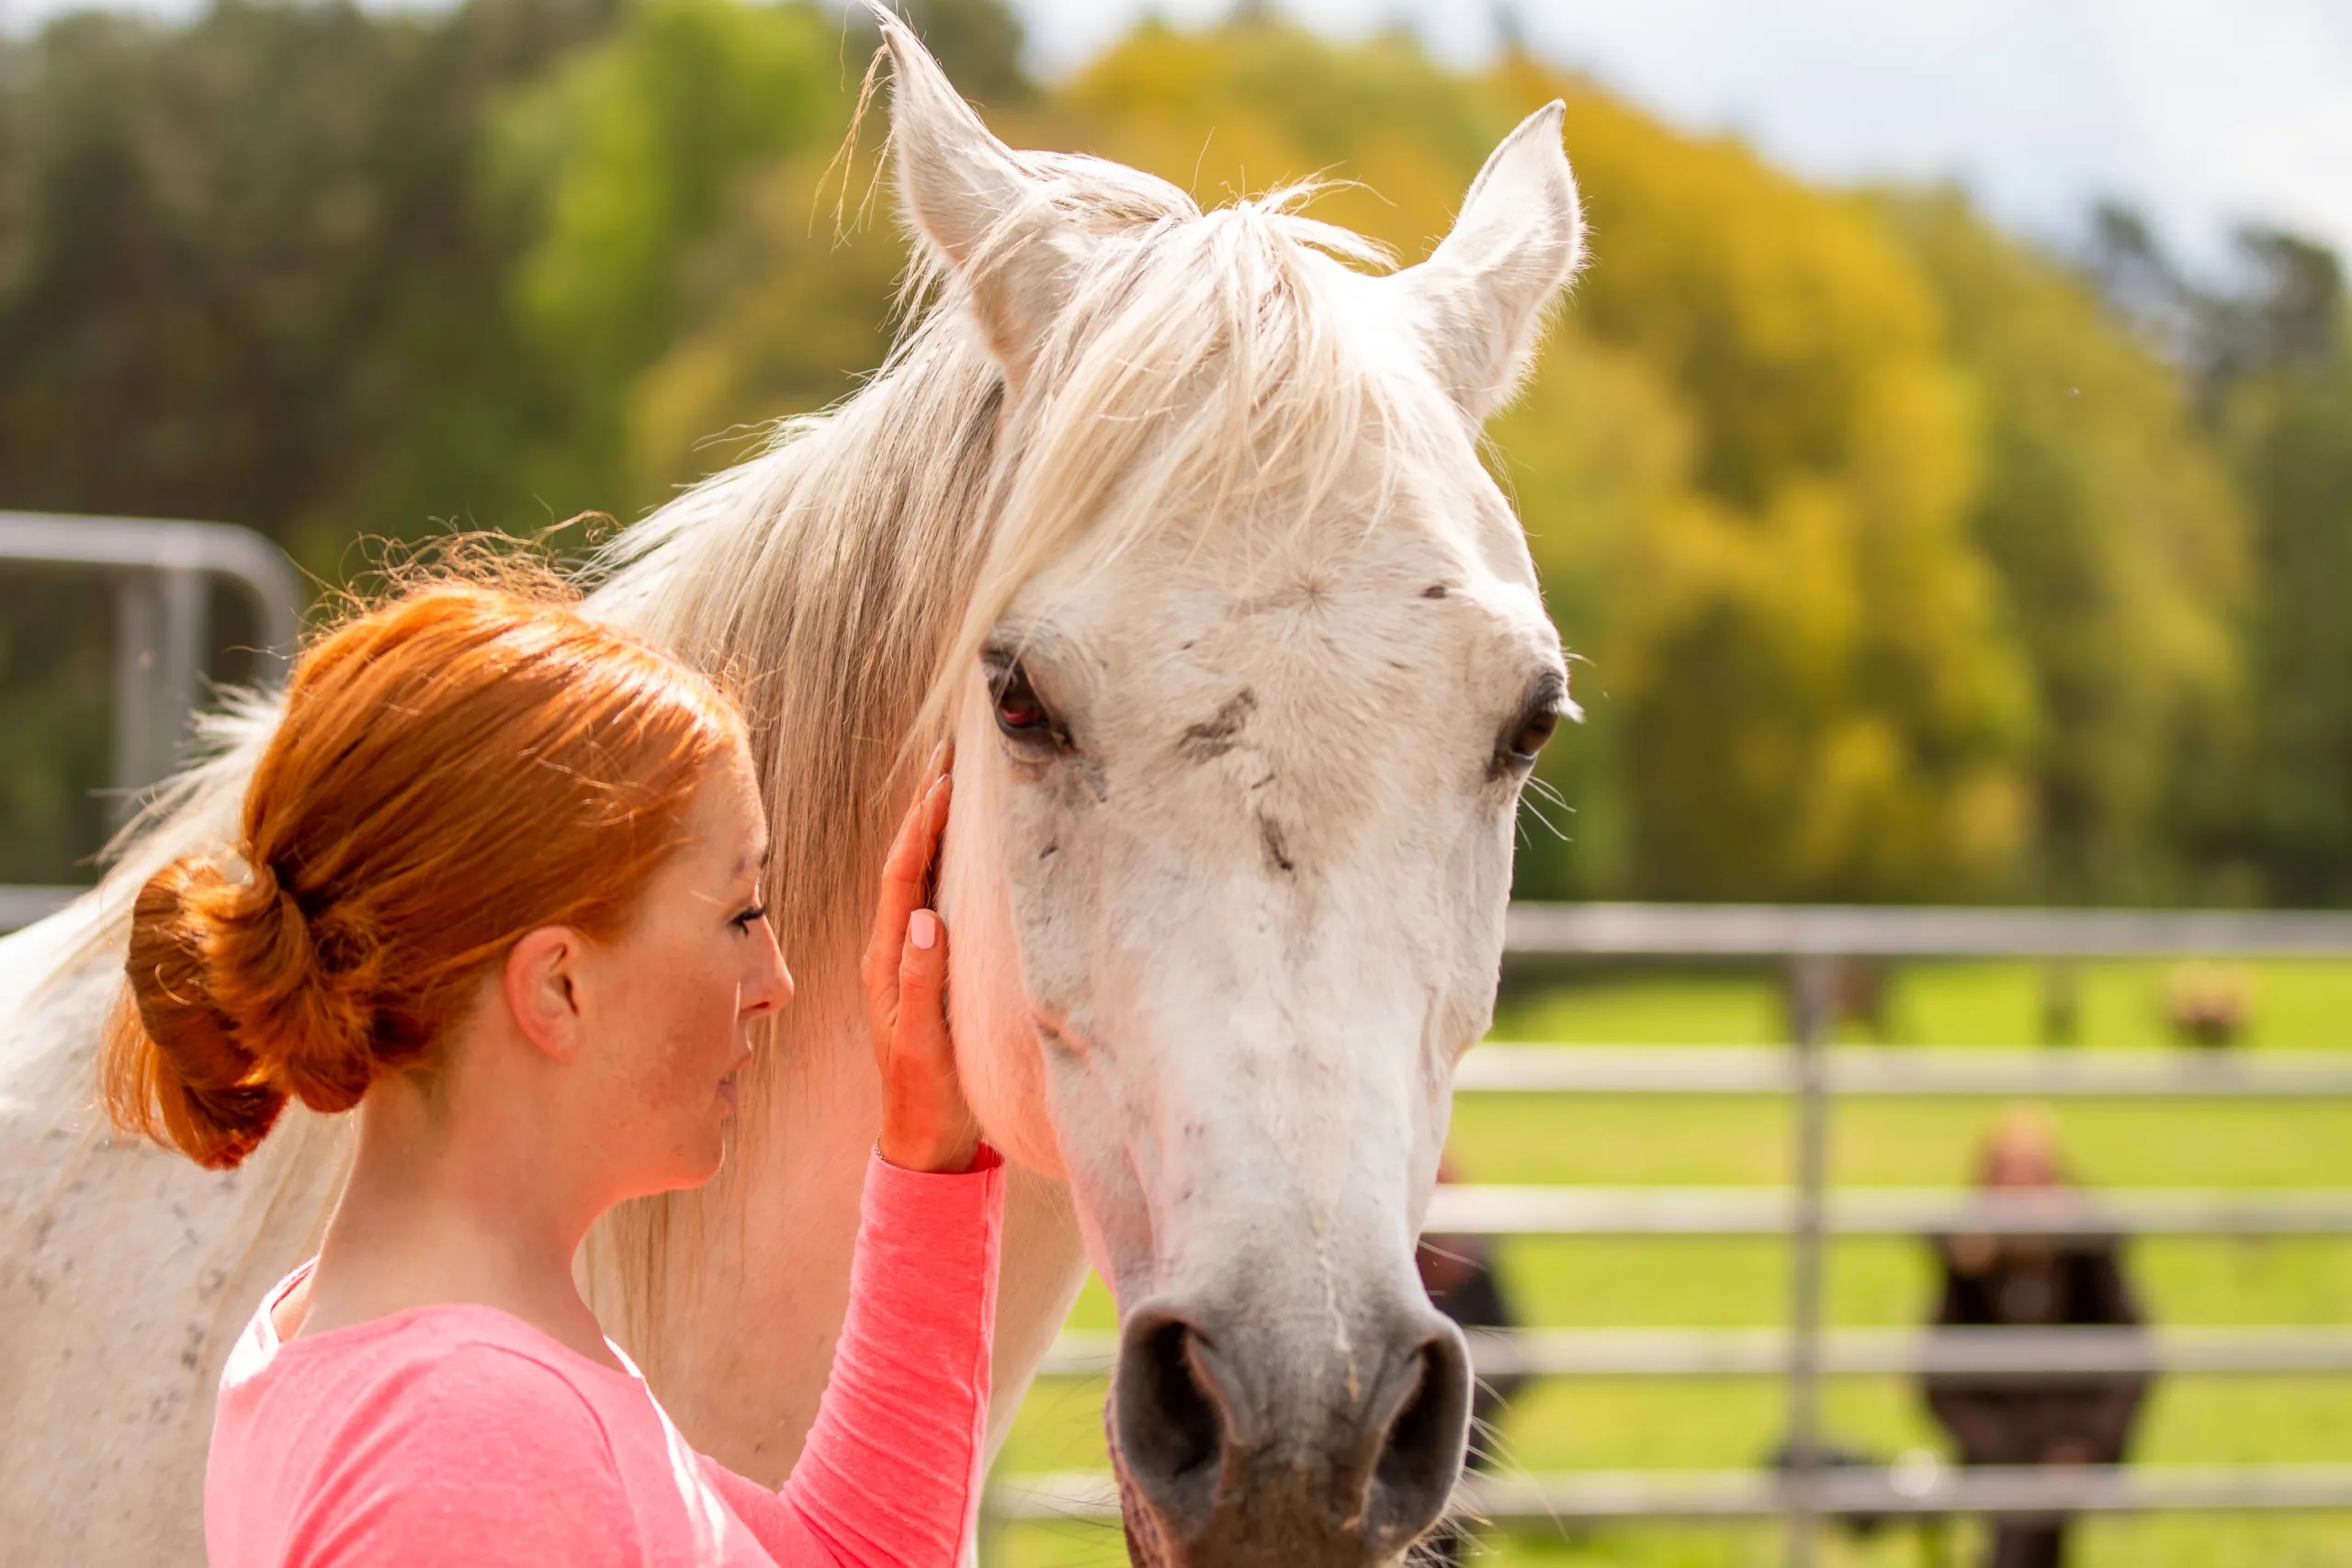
1812,979
137,624
160,625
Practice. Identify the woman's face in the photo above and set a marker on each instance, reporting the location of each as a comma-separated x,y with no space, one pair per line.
677,992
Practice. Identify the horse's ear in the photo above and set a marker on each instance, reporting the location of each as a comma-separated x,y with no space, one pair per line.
971,197
1481,296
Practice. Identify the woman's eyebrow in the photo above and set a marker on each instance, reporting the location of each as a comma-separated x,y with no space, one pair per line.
747,863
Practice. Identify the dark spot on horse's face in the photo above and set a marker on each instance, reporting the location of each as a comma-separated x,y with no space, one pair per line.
1434,590
1215,735
1269,834
1047,853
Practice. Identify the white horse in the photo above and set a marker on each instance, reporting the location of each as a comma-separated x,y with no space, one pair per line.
1177,518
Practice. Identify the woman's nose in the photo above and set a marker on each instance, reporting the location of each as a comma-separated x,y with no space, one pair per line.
772,988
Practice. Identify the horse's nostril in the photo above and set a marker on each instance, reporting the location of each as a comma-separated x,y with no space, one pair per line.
1421,1457
1285,1452
1170,1422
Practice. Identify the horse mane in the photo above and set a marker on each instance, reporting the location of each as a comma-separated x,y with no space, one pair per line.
840,580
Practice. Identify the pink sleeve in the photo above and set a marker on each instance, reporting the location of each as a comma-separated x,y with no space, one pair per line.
488,1459
890,1477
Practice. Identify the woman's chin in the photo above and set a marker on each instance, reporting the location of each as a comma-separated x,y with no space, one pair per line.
702,1159
706,1168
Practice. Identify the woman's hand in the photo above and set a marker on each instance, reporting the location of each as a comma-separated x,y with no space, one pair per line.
926,1125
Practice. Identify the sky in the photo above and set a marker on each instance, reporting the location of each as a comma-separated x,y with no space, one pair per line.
2204,114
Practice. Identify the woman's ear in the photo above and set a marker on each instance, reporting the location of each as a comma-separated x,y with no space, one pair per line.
540,984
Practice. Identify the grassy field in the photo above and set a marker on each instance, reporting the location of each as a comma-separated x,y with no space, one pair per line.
1613,1424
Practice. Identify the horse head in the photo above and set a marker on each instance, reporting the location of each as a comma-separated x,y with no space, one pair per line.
1253,673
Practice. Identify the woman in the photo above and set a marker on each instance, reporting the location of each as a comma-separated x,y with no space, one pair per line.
498,888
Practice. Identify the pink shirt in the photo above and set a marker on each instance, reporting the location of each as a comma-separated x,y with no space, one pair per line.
458,1434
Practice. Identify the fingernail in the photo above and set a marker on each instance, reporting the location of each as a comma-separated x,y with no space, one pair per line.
923,929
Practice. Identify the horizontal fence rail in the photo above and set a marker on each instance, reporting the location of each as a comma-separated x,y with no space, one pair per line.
1761,930
1987,1353
1909,1072
1888,1212
135,545
1902,1489
20,907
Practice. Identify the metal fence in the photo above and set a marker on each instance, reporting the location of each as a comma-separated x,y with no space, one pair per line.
162,575
1810,1212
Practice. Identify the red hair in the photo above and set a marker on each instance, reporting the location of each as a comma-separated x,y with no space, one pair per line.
454,769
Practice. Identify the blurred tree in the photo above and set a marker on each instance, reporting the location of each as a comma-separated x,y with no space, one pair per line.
1815,696
238,259
238,267
645,172
979,41
1897,568
2269,349
55,680
612,167
2284,405
781,314
2122,557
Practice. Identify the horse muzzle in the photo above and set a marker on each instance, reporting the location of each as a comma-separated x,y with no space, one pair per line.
1240,1446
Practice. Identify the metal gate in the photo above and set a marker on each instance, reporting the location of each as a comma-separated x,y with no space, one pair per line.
1811,1213
162,574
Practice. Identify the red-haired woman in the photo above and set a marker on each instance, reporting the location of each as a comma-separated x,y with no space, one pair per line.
498,888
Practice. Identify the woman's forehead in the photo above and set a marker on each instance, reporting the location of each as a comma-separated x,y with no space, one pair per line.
726,822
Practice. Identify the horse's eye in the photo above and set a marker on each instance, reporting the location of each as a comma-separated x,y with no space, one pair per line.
1536,720
1018,711
1534,731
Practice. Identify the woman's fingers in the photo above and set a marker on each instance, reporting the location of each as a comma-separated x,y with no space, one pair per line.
907,866
926,1123
920,1037
906,877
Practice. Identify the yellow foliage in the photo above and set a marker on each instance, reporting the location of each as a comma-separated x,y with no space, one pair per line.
1751,464
782,317
2120,551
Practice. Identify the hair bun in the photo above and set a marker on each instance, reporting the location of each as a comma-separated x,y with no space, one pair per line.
200,1083
301,992
247,1004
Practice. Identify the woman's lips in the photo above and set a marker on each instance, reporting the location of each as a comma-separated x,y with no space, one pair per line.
727,1083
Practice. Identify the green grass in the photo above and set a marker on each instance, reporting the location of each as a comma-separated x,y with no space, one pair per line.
1630,1423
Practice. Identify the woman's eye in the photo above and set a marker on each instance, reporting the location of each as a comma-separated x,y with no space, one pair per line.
1018,711
751,917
